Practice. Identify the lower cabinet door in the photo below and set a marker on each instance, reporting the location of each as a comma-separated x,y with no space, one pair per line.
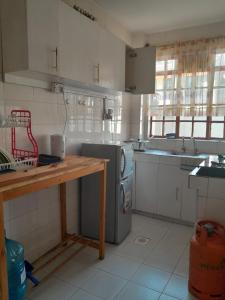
189,205
169,191
145,186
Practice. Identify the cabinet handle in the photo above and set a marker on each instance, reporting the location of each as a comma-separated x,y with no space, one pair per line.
124,162
177,194
56,58
97,73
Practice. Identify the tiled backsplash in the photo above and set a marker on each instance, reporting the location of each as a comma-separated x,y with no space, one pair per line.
34,220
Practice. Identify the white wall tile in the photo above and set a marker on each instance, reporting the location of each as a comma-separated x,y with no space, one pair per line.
34,220
43,95
17,92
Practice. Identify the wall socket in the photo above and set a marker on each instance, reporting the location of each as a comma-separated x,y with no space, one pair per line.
57,87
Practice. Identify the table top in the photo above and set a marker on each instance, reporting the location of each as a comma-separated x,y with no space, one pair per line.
13,185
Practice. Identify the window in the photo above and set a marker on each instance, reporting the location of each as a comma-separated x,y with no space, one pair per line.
190,90
198,127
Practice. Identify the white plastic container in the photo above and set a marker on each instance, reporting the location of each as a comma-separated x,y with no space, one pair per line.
58,145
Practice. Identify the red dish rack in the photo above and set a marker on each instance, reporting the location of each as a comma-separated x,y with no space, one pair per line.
22,118
23,158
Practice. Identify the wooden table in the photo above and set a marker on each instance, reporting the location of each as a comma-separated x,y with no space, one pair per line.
13,185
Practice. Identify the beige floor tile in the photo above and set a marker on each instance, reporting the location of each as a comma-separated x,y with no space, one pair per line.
75,273
52,289
104,285
119,265
82,295
178,287
151,278
136,292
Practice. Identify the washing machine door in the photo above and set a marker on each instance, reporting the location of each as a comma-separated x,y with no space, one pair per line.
126,164
124,209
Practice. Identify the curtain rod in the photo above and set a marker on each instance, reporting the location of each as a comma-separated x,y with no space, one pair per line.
192,40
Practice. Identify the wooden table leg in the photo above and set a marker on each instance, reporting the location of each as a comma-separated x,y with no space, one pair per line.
62,195
3,264
102,208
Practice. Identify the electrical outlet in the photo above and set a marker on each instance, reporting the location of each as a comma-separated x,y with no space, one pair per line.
57,87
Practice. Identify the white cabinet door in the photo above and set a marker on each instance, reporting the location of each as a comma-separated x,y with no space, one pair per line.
78,45
112,61
30,35
189,205
169,191
189,209
42,30
140,70
215,209
145,186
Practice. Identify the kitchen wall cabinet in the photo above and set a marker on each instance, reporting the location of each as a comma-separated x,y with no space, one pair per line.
78,46
30,35
111,61
140,70
1,75
169,191
146,186
49,37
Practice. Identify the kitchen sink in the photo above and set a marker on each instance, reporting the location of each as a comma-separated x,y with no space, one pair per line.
176,153
211,172
187,154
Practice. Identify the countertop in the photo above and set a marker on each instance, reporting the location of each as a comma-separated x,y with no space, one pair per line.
18,183
210,167
199,164
172,153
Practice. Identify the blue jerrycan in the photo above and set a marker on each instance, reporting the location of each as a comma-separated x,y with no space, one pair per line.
16,270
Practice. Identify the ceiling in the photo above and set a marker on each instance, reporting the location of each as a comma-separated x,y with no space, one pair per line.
152,16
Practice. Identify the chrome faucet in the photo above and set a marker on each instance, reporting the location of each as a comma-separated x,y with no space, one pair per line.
195,145
183,145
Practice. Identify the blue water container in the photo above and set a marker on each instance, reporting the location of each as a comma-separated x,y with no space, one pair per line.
16,270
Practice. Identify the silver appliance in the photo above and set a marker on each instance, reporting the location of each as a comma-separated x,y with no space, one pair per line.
118,194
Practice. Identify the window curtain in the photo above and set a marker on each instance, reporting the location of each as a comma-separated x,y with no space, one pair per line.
190,79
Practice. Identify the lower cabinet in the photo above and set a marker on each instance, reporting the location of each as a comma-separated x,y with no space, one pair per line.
169,191
163,189
189,205
146,186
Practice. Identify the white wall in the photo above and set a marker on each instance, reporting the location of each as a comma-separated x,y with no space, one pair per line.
34,219
103,18
167,37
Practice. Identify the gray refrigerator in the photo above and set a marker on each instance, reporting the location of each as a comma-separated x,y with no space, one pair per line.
118,193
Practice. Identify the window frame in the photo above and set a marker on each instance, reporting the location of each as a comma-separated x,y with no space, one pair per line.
209,121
